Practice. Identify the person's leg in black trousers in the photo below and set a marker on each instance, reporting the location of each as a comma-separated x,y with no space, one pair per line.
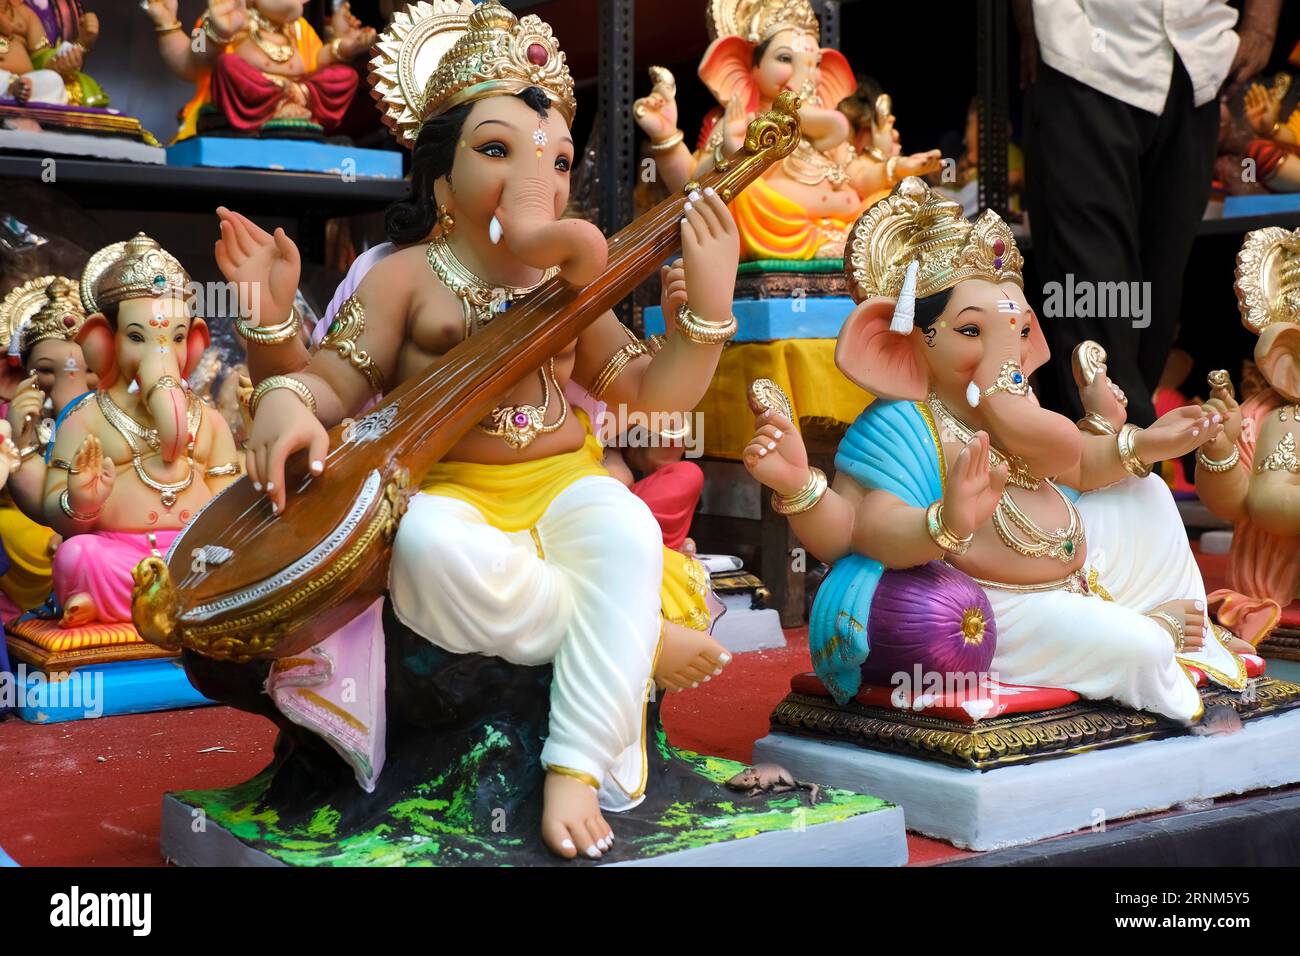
1176,173
1083,191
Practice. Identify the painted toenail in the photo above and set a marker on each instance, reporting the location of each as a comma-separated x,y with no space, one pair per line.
593,852
717,672
707,678
696,684
567,844
1200,605
725,658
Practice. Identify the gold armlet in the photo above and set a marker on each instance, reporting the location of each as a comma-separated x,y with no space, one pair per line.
1134,465
586,778
615,366
813,491
211,30
41,44
1173,626
696,330
890,165
271,334
25,453
1218,465
1097,424
655,343
270,384
666,144
348,326
334,48
225,471
940,534
75,515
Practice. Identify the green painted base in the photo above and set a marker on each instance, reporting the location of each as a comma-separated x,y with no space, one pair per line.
442,822
790,265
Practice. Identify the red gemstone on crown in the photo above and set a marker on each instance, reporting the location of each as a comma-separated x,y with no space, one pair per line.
69,321
537,54
998,247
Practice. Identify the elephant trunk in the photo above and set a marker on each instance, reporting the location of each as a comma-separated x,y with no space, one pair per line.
533,232
159,380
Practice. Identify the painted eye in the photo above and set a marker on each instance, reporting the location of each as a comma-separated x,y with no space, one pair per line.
494,149
563,164
970,331
136,337
1024,333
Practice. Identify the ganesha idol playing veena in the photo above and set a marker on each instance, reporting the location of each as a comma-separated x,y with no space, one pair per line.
532,608
1071,555
803,206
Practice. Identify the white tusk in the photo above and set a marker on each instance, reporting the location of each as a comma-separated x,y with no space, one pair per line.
494,230
973,395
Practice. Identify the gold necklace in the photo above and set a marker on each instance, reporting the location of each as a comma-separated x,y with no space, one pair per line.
518,425
4,40
1062,544
1018,472
278,52
479,301
130,429
811,168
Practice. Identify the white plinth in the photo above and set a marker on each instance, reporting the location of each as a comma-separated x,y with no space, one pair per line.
1015,805
87,145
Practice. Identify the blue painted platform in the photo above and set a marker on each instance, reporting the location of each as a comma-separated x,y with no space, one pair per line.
1260,205
286,155
105,690
768,320
6,859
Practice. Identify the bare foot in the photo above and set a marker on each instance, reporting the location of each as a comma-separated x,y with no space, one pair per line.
1219,719
571,820
688,658
1191,614
78,611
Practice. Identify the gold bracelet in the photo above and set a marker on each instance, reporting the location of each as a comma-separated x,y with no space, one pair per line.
940,534
696,330
167,382
1127,456
25,453
66,504
666,144
1175,628
65,465
334,48
270,384
223,471
1211,464
586,778
347,328
1097,424
171,28
813,491
890,164
271,334
615,366
655,343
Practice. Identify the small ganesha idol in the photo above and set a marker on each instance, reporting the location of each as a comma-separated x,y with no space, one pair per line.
261,68
135,459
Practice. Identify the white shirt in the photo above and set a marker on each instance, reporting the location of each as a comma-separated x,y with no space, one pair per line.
1125,48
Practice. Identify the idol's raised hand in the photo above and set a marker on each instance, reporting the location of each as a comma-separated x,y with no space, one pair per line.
656,114
973,488
710,254
776,455
265,267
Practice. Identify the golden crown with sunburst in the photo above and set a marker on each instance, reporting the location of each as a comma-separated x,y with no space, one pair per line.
1268,278
757,21
136,269
59,317
438,55
914,224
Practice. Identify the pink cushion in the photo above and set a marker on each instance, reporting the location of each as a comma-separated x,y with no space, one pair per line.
960,704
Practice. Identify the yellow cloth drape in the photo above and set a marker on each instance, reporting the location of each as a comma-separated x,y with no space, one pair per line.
772,226
513,497
805,368
27,582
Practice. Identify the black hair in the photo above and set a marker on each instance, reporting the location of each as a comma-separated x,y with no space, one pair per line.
760,50
928,311
411,220
860,105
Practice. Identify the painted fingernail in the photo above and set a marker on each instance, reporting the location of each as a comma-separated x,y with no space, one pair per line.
257,486
725,658
567,844
778,433
1217,419
683,220
762,452
1200,605
694,196
1195,432
688,207
771,446
270,486
717,672
593,852
696,684
708,191
318,466
707,678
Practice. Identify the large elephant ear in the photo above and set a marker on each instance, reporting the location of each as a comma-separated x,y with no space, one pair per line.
883,362
96,339
1039,353
196,343
1277,353
836,80
728,70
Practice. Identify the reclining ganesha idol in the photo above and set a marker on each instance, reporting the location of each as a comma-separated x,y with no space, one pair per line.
134,460
956,461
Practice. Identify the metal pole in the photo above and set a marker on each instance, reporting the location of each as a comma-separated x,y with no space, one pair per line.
991,80
828,12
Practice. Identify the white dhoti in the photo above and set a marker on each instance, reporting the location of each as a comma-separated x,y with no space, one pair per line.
1101,648
579,589
47,86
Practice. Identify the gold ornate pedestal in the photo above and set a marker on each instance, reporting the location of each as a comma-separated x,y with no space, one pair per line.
1014,739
